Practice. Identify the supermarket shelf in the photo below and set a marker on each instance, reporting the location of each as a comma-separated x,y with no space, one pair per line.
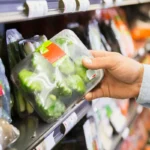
144,1
35,133
134,111
20,16
128,2
122,3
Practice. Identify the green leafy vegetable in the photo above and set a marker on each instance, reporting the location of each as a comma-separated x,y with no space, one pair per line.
52,108
28,80
63,40
81,70
76,83
63,89
66,66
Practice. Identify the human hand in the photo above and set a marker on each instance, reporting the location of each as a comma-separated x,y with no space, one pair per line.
122,75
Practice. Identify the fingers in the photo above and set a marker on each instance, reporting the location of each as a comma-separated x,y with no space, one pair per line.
100,53
96,93
98,62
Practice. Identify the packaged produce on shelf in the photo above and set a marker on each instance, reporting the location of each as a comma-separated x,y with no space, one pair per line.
138,18
8,134
141,30
90,133
28,46
22,106
53,78
116,32
4,95
112,110
123,105
109,35
81,32
137,137
105,111
95,36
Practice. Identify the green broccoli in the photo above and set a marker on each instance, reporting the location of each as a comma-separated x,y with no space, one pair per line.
63,89
65,65
28,81
81,70
52,97
52,108
62,40
76,83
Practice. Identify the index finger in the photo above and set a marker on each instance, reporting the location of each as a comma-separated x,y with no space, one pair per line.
100,53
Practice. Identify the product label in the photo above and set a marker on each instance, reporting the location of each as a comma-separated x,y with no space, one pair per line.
91,138
108,2
70,122
125,36
91,74
94,36
120,122
69,5
47,144
83,5
37,8
51,51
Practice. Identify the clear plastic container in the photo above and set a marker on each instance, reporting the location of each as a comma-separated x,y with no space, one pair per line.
8,134
53,78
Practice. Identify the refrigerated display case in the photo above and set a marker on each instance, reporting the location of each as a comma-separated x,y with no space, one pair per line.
98,118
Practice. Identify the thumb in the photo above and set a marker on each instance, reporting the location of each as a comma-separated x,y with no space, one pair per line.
98,62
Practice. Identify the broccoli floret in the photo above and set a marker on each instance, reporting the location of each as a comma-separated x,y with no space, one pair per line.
63,89
52,109
65,65
76,83
81,70
62,41
28,81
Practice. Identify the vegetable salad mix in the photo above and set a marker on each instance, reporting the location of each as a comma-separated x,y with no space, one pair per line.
52,77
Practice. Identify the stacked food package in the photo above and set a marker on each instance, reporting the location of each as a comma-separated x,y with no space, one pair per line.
8,133
138,137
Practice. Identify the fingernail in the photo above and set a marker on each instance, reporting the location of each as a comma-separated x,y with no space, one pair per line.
87,60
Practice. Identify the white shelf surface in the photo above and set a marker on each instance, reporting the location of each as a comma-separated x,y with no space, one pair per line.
20,16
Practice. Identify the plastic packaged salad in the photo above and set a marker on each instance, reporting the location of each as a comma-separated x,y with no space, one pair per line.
53,78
